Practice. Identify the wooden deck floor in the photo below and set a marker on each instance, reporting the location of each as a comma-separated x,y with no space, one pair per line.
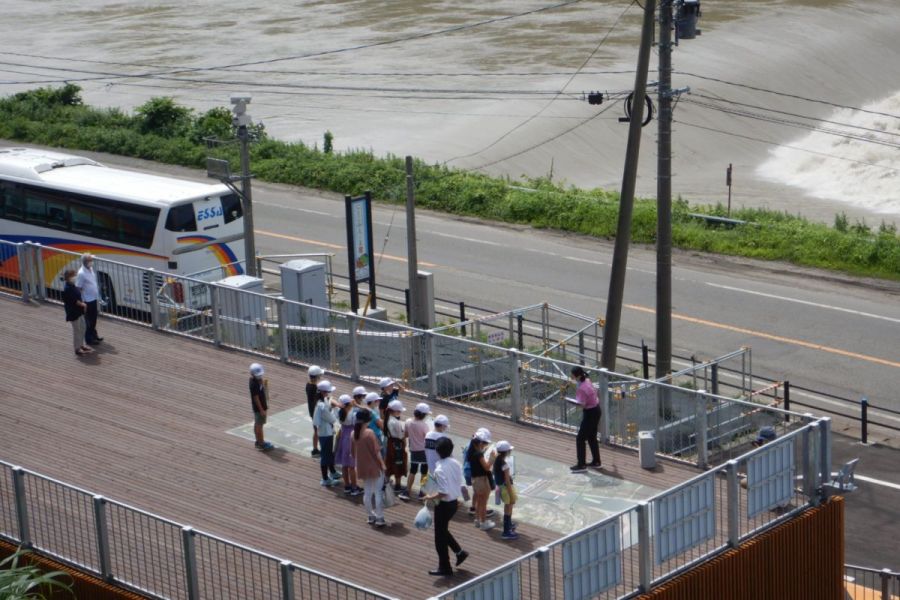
144,422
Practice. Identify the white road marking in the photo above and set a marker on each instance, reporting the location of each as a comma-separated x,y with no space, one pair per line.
297,208
806,302
877,481
465,239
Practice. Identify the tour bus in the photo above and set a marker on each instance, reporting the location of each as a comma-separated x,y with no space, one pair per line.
77,204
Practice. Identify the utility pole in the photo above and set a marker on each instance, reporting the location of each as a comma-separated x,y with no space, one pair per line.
626,200
241,121
664,196
411,256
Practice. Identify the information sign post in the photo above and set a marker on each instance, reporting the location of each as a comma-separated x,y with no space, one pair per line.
359,246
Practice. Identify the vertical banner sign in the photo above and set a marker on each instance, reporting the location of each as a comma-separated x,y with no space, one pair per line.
359,246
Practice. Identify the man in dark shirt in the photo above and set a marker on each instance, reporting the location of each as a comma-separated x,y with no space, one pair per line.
312,397
260,405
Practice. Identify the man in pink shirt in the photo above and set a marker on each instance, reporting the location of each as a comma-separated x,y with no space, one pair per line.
586,396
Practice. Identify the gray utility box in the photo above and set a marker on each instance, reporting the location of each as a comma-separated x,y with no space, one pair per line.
647,449
424,301
305,281
242,315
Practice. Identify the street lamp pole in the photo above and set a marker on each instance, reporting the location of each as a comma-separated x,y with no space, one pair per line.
241,121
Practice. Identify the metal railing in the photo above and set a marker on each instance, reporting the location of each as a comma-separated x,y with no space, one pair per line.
148,553
642,547
872,584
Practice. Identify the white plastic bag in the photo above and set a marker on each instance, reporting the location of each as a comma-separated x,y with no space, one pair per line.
389,498
423,519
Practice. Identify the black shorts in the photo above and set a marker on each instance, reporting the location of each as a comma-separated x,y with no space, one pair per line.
417,462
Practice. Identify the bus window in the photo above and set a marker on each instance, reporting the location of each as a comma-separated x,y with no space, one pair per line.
181,218
136,227
231,208
57,214
103,224
81,219
35,210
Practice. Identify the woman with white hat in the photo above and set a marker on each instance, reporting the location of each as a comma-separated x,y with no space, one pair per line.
312,397
416,430
390,390
396,445
324,420
481,482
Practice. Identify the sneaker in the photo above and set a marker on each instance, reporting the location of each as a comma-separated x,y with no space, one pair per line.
370,520
471,510
315,452
487,525
461,557
595,465
509,535
403,495
440,573
421,495
578,468
266,446
477,524
326,483
356,492
380,523
336,478
347,490
489,512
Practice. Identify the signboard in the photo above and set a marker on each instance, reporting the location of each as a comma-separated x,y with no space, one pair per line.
359,247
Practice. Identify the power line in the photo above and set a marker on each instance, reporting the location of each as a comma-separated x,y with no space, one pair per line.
546,106
771,143
788,95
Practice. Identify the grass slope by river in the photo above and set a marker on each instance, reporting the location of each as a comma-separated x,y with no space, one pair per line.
163,131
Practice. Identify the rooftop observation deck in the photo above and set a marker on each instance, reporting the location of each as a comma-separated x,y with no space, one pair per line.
163,423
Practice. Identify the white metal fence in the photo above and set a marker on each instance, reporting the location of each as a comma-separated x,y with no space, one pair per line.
872,584
630,552
148,553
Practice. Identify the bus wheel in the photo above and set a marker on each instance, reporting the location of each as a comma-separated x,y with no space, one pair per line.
107,293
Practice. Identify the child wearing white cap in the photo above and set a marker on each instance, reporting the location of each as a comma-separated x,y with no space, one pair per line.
396,444
343,454
324,420
258,398
390,391
312,397
481,482
416,430
504,480
441,426
375,423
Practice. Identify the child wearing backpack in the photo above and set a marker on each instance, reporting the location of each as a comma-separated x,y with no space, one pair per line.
503,478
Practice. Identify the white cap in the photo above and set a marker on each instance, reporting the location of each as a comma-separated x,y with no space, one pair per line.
441,420
359,391
256,370
325,386
423,408
504,446
385,382
372,397
483,435
315,371
345,399
396,405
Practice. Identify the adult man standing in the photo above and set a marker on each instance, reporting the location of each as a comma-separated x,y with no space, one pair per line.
86,282
258,393
448,482
586,397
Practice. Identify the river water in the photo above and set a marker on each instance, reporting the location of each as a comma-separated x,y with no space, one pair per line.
504,97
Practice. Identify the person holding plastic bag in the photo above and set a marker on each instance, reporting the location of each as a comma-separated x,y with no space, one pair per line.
448,480
370,467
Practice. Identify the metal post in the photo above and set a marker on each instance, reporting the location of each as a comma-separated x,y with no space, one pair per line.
603,393
545,583
885,584
515,392
406,302
728,183
581,348
808,466
282,329
247,199
431,346
22,251
21,506
190,563
479,370
714,384
287,580
332,349
645,568
645,359
734,504
825,449
626,198
519,332
411,254
154,300
41,284
701,427
545,326
354,348
664,196
511,332
787,400
864,418
462,317
102,537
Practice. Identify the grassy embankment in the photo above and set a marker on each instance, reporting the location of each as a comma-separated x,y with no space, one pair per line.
162,131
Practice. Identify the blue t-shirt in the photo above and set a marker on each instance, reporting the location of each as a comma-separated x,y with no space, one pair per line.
373,425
